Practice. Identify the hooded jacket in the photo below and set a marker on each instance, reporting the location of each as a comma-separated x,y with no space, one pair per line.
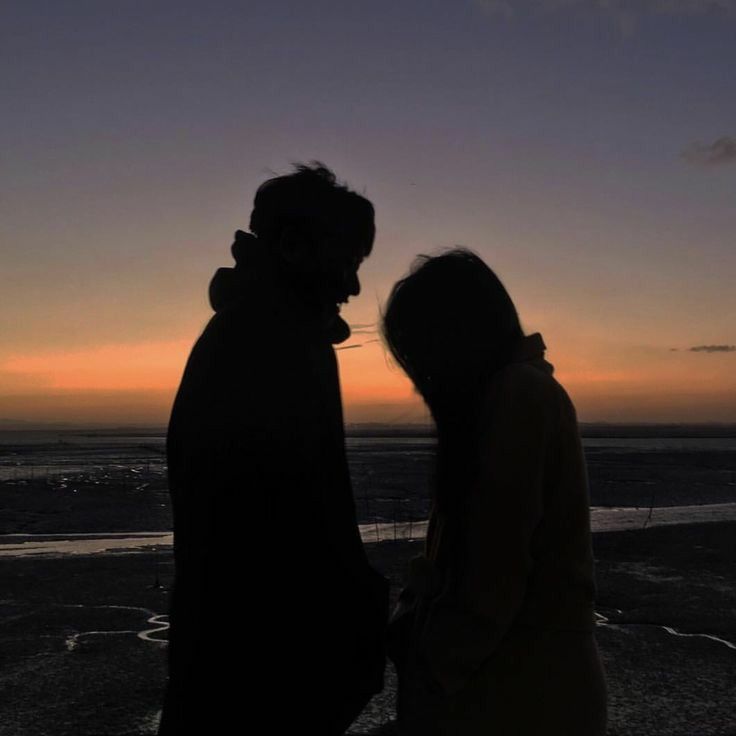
271,576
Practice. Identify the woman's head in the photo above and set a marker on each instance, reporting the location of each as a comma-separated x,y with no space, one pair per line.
449,323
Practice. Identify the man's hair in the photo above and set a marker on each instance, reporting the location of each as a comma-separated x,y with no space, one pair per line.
313,201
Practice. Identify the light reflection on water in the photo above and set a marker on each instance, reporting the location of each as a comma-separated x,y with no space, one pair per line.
98,460
602,520
661,444
391,475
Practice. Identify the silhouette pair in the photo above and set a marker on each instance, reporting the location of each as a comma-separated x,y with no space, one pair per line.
278,622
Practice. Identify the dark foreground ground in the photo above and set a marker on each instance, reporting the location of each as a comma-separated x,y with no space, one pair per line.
76,660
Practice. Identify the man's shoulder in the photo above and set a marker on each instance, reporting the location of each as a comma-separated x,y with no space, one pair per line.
231,324
234,332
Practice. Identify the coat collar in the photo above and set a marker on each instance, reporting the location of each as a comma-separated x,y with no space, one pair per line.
530,349
253,284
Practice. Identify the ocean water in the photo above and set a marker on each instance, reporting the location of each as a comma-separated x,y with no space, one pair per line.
64,457
643,438
392,473
661,444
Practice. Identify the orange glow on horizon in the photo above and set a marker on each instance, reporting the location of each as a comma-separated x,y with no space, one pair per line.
128,383
137,367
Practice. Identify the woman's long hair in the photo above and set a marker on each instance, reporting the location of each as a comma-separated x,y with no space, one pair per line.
450,324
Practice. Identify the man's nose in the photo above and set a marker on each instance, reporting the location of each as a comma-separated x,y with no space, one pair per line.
352,283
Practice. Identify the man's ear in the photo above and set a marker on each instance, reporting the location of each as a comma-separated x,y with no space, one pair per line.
295,250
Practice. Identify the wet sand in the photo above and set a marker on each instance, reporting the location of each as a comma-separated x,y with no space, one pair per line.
82,636
667,604
83,611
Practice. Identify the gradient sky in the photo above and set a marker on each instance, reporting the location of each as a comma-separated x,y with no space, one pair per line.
585,149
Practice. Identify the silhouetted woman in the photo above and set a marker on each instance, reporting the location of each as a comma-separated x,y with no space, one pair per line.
494,631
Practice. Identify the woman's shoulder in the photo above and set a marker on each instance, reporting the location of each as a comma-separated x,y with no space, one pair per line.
531,379
532,387
527,391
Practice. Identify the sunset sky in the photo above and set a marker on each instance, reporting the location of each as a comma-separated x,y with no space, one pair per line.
585,149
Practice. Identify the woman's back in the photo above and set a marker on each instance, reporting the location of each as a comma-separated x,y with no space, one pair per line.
509,639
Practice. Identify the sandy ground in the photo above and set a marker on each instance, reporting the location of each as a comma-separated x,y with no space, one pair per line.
83,614
667,602
83,637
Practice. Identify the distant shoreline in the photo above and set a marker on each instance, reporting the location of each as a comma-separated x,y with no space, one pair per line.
587,429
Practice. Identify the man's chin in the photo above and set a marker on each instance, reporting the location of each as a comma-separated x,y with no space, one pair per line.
338,330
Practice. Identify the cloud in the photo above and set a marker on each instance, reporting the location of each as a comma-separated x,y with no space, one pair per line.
624,13
362,326
721,151
496,7
359,345
363,329
692,7
713,349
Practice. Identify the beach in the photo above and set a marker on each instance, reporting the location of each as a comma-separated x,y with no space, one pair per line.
83,635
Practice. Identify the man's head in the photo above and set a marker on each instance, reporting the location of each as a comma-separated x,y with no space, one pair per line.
319,229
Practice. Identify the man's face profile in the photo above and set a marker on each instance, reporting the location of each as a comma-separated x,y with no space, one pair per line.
339,258
324,263
321,233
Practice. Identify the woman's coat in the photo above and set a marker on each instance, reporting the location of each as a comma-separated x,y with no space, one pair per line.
503,631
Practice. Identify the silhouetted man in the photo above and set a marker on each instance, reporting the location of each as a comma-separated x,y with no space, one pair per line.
277,619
